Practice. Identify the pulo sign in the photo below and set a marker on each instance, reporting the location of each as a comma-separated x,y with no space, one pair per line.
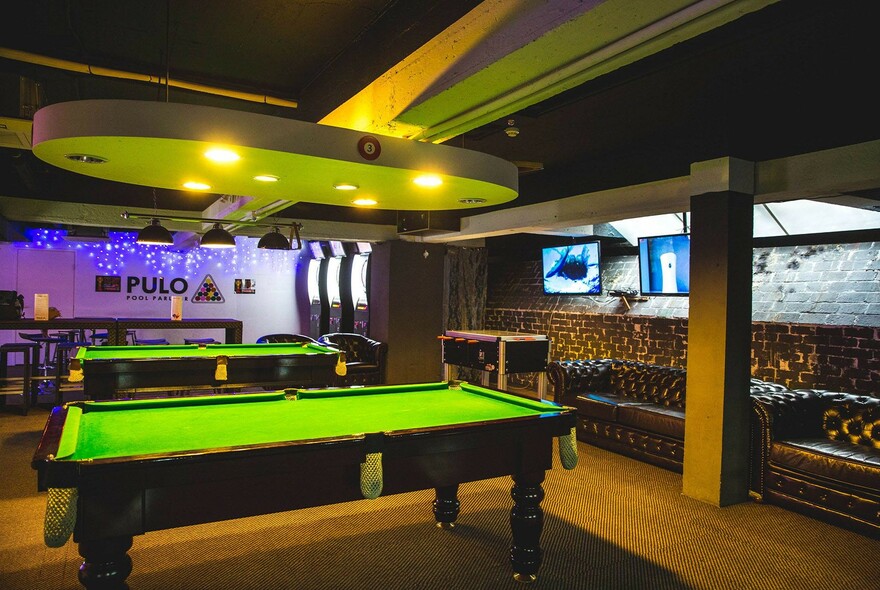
154,288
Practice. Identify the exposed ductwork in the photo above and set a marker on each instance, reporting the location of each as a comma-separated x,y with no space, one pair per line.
80,68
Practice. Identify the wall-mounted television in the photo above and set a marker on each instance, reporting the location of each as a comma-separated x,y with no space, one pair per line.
336,249
317,250
665,265
572,270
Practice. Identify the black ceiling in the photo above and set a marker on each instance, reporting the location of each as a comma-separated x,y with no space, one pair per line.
794,77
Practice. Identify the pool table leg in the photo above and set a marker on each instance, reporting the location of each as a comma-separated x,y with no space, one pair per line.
526,523
106,564
446,506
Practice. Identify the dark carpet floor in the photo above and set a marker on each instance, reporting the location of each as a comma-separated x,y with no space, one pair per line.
611,523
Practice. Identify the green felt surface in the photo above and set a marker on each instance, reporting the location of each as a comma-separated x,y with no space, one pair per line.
145,427
105,353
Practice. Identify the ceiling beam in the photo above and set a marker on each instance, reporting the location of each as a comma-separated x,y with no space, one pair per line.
506,55
820,174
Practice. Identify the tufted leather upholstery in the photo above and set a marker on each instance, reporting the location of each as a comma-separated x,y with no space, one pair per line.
818,452
568,378
635,380
851,418
364,357
652,384
273,338
629,407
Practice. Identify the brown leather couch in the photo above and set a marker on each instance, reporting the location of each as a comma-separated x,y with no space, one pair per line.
364,357
818,452
629,407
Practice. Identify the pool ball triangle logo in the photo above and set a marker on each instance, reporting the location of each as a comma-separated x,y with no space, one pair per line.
207,292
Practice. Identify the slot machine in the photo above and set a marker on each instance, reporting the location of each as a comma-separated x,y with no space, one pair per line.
334,286
360,263
317,300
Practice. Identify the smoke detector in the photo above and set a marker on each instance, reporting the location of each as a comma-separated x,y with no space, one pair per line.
512,130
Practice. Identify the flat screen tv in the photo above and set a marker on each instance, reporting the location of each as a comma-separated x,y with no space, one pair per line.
572,270
665,265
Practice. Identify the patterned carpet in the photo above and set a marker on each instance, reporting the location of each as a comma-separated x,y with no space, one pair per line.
611,523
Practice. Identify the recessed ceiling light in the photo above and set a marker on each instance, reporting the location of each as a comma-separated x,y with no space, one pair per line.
196,186
266,178
471,201
364,202
222,155
85,158
345,186
428,180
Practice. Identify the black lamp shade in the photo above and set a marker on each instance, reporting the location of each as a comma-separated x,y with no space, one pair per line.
155,234
217,237
274,240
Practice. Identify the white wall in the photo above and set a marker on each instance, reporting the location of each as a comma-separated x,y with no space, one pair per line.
271,308
8,267
46,271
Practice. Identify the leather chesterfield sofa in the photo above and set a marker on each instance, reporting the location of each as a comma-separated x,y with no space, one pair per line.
812,451
629,407
818,453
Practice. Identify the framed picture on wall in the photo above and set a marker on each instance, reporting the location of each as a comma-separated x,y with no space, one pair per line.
108,284
245,286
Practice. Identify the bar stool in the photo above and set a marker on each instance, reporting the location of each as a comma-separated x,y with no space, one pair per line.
98,338
104,337
45,341
31,352
200,341
155,341
69,335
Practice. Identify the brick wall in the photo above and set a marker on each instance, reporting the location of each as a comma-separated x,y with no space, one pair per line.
661,341
841,352
838,358
830,284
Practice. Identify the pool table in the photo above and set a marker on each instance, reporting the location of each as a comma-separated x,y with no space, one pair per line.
107,371
115,469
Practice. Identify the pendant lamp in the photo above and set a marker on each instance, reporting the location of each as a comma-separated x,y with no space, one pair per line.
274,240
217,237
155,234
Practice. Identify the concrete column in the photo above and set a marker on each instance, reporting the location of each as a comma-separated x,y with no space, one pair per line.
406,308
719,332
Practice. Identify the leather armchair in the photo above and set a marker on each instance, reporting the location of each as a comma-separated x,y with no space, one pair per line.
364,357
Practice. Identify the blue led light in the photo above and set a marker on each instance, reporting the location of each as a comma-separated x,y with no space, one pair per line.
121,249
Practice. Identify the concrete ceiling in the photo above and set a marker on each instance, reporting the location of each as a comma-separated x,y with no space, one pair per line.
614,101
